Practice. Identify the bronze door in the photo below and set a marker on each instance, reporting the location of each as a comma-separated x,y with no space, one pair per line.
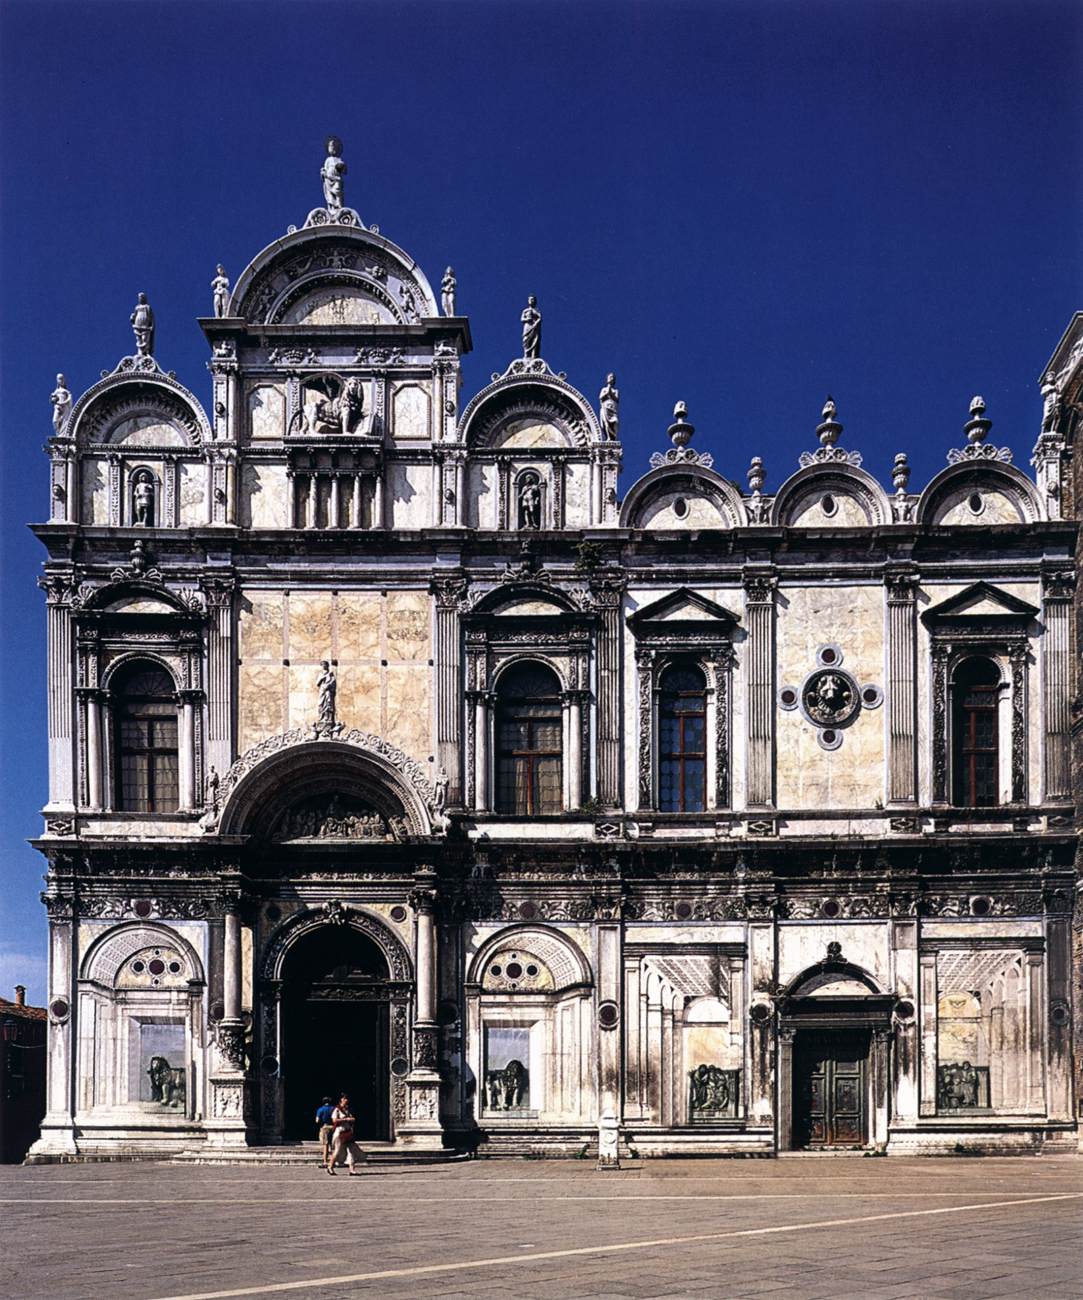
830,1073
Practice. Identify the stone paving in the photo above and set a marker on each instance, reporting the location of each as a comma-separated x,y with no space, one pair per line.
955,1229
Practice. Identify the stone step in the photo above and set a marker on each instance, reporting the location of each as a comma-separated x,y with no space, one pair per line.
308,1153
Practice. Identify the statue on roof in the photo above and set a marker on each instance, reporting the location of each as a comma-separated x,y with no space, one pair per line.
220,289
331,173
447,292
143,327
531,319
61,400
608,405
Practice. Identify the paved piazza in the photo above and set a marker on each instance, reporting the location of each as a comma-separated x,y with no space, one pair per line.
799,1226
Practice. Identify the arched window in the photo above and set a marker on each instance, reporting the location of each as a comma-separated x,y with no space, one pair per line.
682,740
529,772
146,741
974,733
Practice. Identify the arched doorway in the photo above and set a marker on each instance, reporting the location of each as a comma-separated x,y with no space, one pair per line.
335,1026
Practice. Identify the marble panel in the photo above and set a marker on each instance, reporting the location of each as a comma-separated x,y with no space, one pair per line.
193,494
94,495
261,690
340,305
993,508
867,945
664,512
148,431
816,511
408,625
408,495
262,625
359,697
267,413
264,499
411,412
310,626
358,626
303,695
577,495
408,710
531,431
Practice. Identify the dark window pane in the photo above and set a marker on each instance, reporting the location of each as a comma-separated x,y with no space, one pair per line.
695,781
146,738
529,742
682,739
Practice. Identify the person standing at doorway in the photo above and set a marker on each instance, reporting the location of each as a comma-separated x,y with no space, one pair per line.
326,1128
342,1138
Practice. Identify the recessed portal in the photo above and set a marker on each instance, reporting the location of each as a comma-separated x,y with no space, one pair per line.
830,1074
335,1004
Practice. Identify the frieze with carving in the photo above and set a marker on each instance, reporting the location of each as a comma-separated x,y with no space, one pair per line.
337,818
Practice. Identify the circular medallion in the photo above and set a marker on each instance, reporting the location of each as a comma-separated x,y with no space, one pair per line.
759,1013
608,1015
58,1009
904,1009
830,697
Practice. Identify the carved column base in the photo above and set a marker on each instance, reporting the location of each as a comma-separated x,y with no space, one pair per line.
422,1129
230,1122
57,1141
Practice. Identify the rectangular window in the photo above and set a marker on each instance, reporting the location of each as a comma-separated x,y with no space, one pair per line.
982,1050
507,1068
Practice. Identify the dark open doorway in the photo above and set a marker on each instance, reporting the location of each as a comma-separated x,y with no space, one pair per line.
335,1031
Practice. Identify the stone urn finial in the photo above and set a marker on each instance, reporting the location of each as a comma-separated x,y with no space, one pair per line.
829,430
680,431
977,427
757,475
900,472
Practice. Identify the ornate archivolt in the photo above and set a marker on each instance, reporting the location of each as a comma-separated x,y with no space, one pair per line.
259,777
109,954
528,389
559,962
819,495
979,492
126,395
276,951
685,483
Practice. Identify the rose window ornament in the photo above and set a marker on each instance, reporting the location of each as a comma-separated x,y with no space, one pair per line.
830,698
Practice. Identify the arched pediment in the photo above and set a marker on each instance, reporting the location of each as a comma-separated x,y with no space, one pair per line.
683,496
561,959
108,954
333,275
143,411
979,492
139,596
528,408
830,495
299,768
516,599
833,977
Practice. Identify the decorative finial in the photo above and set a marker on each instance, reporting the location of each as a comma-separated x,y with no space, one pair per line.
977,427
331,173
829,430
532,319
900,473
220,290
757,476
142,319
680,431
447,292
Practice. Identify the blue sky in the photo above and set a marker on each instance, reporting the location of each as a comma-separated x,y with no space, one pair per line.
744,205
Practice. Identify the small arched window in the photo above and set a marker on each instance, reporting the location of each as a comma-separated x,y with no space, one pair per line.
975,750
682,740
146,741
529,771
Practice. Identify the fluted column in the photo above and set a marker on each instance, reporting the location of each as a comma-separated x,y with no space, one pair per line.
93,720
607,588
573,708
60,711
378,500
760,591
219,593
356,517
902,688
448,589
231,964
185,776
334,516
1057,589
228,1122
481,751
422,1126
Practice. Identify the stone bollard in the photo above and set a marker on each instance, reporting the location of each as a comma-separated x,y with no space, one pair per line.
608,1141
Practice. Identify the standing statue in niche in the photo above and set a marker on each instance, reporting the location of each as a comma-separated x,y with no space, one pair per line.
609,405
447,292
530,504
327,685
61,400
143,503
531,319
220,290
143,326
331,173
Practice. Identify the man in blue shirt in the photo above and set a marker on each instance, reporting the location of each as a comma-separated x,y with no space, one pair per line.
323,1119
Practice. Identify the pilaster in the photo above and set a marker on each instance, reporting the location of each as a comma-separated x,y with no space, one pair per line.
60,696
902,689
760,591
448,589
607,589
220,656
1057,591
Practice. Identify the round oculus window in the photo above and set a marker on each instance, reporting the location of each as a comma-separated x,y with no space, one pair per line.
608,1015
143,907
680,508
514,970
398,913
